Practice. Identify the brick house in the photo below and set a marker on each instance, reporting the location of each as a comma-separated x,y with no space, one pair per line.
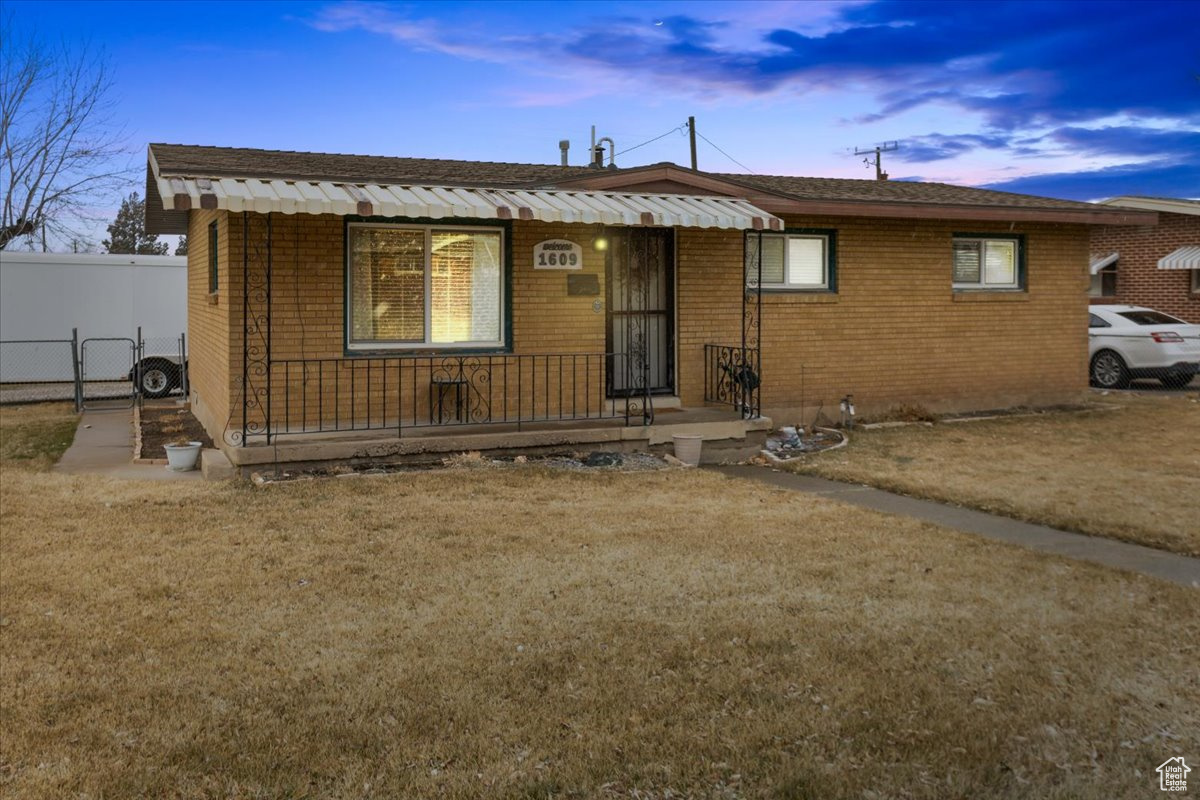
369,307
1157,266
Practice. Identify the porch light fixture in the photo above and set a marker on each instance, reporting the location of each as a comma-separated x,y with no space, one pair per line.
600,242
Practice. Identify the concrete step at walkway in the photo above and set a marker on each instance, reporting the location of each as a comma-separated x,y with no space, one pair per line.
1180,569
103,445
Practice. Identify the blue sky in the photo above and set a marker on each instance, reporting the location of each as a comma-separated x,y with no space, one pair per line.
1081,100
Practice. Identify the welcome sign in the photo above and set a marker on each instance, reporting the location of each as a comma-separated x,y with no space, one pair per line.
557,254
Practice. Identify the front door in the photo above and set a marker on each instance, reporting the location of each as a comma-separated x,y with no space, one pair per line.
641,311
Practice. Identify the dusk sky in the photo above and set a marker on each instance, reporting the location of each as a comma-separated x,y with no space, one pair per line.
1081,100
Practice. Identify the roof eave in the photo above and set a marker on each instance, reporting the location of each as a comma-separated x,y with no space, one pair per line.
784,203
849,208
1162,204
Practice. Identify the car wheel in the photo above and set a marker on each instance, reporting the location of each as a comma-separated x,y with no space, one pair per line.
1109,370
156,378
1176,381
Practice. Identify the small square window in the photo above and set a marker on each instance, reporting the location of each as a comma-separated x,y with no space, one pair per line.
987,263
790,261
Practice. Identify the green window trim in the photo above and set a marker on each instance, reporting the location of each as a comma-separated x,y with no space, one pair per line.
360,349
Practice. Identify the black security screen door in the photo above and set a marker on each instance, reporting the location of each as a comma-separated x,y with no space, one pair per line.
641,311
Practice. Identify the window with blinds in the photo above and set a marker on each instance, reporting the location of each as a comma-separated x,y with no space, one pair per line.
423,286
789,261
981,263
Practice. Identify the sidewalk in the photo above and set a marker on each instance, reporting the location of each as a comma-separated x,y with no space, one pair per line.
104,446
1180,569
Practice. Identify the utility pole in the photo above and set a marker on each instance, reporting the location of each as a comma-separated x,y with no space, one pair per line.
878,150
692,137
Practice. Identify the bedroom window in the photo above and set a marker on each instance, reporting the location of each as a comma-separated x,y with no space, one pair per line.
795,261
419,287
988,263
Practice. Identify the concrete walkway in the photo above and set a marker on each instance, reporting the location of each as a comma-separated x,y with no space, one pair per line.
1183,570
104,446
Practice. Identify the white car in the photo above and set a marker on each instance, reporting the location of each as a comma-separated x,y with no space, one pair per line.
1127,342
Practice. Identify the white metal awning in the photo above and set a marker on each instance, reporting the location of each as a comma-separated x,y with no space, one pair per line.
1186,257
1100,262
442,202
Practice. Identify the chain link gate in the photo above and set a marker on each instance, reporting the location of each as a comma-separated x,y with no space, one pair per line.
106,370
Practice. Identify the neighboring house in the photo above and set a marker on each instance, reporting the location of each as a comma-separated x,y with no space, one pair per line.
389,301
1150,265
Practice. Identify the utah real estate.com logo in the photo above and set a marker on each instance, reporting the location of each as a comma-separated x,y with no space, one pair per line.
1172,775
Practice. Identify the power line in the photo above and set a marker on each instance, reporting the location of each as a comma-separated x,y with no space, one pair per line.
722,152
677,129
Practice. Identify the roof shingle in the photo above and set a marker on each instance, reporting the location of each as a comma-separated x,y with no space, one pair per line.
211,162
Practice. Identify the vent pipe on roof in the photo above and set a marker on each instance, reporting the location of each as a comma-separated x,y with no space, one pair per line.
612,152
597,151
564,145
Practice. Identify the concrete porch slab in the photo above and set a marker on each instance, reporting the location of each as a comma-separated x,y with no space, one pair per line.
726,437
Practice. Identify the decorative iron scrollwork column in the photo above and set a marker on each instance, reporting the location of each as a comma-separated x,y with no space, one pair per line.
642,264
752,325
256,330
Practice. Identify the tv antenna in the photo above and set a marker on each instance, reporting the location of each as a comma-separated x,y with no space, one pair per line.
878,150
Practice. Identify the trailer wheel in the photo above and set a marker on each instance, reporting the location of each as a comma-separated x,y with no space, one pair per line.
157,378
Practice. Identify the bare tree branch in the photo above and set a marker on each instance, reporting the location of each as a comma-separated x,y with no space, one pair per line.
60,152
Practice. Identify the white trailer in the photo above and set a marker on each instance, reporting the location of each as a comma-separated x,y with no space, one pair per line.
43,296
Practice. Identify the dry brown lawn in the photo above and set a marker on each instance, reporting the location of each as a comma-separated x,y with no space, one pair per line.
35,436
529,634
1132,473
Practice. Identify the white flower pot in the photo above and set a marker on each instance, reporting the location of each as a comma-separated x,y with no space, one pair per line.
182,457
687,448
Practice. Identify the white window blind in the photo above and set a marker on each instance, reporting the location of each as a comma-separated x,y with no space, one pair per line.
1000,263
966,262
806,261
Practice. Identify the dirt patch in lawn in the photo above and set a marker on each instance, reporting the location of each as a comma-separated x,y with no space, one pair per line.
530,633
166,424
1130,471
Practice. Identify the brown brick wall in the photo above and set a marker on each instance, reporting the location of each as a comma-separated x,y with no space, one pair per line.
894,333
1139,281
208,323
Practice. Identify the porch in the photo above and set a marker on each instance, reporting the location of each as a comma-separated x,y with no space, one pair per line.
336,330
419,408
296,394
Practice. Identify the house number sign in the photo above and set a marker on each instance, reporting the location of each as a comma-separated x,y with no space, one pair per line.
557,254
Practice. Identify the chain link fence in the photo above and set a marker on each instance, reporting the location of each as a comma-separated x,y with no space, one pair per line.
101,369
33,370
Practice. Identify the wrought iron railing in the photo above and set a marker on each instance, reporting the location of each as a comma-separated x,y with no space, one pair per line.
733,377
323,395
